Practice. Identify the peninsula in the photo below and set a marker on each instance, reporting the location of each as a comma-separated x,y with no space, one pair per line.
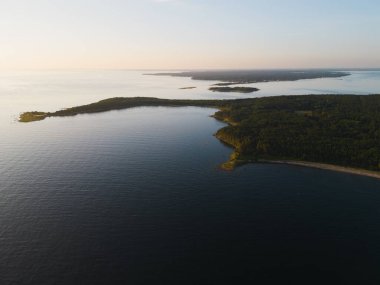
117,103
308,130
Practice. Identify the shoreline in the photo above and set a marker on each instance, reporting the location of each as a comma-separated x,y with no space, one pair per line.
233,134
326,166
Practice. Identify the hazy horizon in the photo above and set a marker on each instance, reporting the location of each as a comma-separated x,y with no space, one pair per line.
189,34
89,69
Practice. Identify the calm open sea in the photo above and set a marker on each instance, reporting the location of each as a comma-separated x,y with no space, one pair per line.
136,196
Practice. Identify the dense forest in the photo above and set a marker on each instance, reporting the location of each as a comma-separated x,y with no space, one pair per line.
336,129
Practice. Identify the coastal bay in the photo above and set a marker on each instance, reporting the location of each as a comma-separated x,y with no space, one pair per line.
144,185
178,142
341,130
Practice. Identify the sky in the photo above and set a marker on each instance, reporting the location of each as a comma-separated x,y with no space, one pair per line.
189,34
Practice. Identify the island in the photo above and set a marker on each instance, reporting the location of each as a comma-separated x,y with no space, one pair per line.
231,77
337,132
187,88
234,89
227,83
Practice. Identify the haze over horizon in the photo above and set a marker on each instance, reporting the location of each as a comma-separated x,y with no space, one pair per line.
189,34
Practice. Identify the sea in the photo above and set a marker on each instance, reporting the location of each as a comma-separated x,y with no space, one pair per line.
137,196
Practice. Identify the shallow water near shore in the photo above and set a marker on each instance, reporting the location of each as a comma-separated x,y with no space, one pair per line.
137,197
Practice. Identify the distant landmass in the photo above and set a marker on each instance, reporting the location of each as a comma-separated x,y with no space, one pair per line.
342,130
234,89
187,88
230,77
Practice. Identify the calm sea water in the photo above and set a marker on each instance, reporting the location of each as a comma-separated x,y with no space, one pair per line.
136,196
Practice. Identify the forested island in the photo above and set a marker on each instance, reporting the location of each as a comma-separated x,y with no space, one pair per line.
342,130
188,88
238,89
230,77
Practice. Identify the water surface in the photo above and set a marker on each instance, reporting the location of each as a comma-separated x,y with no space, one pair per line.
136,197
52,90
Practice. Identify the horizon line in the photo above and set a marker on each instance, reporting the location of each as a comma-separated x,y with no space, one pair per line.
190,69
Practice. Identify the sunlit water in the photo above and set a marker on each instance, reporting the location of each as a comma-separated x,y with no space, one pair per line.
136,196
51,90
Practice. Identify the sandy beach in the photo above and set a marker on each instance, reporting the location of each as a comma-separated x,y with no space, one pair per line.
325,166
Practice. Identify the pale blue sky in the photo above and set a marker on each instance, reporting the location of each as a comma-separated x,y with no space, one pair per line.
184,34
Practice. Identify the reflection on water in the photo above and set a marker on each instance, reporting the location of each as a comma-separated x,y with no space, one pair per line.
136,196
51,90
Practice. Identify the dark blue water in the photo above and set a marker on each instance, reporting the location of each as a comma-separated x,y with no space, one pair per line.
136,197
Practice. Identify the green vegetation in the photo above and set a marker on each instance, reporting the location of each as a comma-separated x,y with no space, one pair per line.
234,89
336,129
32,116
117,103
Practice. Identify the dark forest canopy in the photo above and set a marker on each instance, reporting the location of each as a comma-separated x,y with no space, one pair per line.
337,129
254,76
